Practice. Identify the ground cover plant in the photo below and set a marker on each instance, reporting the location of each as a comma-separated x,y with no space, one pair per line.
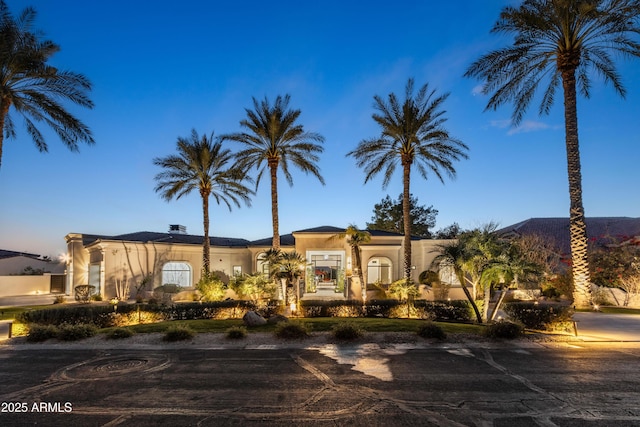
68,332
504,330
347,331
431,330
119,333
64,332
180,332
40,333
293,330
236,332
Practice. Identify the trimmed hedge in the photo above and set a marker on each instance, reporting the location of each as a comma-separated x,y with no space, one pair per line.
104,316
331,308
451,311
540,316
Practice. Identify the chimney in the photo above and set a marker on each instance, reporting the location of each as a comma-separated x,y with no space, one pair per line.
177,229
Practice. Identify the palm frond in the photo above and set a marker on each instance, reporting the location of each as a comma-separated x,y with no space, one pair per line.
552,36
33,88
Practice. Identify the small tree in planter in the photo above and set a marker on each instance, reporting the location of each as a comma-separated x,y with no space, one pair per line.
84,292
404,290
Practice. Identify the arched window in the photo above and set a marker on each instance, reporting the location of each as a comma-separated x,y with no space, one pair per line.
176,273
379,270
262,265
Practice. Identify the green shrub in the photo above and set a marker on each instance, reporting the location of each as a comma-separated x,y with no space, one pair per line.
504,330
291,330
179,333
96,297
431,330
450,311
550,292
346,331
211,287
236,332
541,316
68,332
119,333
335,308
403,290
270,308
104,316
254,287
168,288
39,333
380,308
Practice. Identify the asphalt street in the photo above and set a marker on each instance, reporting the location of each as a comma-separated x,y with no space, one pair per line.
507,384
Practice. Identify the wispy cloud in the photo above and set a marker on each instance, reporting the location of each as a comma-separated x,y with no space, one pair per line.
477,90
500,124
525,127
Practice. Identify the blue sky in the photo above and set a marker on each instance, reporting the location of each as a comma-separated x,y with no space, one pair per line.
161,68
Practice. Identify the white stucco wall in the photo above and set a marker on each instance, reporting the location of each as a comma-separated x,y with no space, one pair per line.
24,285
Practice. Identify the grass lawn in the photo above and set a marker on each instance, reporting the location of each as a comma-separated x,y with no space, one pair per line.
317,324
619,310
9,313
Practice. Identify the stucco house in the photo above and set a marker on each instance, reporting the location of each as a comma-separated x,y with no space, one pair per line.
114,265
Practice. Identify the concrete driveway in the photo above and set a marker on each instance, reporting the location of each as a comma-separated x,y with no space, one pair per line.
595,326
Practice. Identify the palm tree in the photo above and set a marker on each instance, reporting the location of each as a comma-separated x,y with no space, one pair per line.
509,266
35,89
272,257
412,134
355,238
203,165
274,140
289,266
483,249
456,255
560,42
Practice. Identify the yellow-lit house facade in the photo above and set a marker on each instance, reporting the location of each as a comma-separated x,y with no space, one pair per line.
116,265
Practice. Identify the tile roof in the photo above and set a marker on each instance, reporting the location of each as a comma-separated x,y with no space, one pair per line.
322,229
149,236
558,229
337,230
285,240
10,254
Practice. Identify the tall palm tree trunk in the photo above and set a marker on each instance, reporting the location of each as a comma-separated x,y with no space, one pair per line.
406,214
206,245
273,169
577,224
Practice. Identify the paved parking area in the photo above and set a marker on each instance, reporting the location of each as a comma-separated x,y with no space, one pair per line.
358,385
